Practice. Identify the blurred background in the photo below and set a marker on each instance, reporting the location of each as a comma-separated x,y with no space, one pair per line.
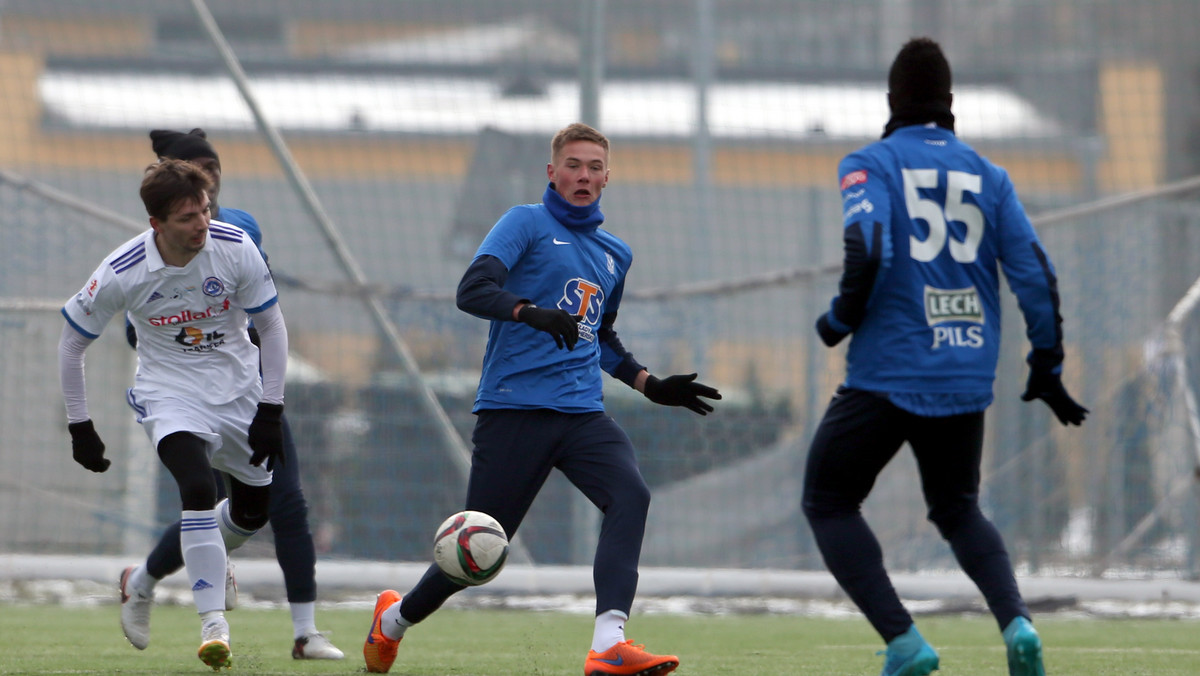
376,142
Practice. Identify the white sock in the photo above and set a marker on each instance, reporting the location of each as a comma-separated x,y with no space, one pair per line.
141,581
393,623
233,535
204,558
610,630
210,617
304,619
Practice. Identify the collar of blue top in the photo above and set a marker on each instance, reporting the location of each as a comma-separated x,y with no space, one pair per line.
577,218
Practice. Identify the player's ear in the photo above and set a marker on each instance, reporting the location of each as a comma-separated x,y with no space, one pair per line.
155,224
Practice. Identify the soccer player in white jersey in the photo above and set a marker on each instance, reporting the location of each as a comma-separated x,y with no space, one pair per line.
189,287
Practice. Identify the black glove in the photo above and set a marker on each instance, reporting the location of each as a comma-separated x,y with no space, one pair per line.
131,335
681,391
560,324
829,335
266,435
86,447
1048,387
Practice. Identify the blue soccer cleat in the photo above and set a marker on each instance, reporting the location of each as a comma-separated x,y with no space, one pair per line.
909,655
1024,649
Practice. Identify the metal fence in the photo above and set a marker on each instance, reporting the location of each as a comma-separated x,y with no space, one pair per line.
377,142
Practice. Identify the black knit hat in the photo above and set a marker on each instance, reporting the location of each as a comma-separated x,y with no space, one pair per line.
181,146
920,74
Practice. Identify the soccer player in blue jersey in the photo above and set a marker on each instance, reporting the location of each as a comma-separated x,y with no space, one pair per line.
294,547
928,225
188,286
550,280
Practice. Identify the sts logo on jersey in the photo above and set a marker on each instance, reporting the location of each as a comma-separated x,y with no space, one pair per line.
583,299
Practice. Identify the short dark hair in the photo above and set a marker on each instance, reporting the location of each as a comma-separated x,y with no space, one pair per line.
170,182
920,73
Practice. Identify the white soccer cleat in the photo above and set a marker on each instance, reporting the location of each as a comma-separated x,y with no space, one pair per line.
214,644
231,594
135,612
314,646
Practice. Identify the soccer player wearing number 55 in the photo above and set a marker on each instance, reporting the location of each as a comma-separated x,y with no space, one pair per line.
928,224
551,280
188,288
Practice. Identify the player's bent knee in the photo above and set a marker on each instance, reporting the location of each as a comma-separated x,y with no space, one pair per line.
184,456
950,519
250,508
197,496
249,521
820,506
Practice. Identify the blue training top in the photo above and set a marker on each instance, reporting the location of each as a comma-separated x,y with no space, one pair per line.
928,224
243,220
556,256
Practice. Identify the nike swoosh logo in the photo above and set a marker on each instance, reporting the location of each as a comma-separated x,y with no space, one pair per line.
616,663
558,242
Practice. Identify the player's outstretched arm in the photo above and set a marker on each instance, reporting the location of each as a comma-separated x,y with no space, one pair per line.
266,430
680,390
481,292
86,447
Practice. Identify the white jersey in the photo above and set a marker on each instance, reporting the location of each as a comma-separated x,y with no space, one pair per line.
191,321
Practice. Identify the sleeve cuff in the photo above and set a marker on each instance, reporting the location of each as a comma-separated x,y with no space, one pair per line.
831,330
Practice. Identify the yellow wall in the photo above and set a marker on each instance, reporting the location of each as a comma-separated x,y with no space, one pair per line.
1131,115
318,38
1132,122
79,35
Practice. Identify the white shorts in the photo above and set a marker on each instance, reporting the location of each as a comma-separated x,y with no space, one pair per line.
225,430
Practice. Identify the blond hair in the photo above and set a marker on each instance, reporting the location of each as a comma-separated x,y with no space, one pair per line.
576,131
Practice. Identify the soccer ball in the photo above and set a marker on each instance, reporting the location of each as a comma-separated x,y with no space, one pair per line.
470,548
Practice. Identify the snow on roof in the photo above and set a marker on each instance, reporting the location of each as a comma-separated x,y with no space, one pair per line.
528,40
413,104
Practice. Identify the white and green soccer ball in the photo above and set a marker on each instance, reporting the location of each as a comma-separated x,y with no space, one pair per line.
470,547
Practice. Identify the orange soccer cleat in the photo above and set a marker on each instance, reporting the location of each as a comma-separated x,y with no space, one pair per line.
379,651
214,649
627,659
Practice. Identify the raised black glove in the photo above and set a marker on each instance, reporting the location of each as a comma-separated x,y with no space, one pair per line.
266,435
86,447
681,391
1048,387
560,324
131,335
